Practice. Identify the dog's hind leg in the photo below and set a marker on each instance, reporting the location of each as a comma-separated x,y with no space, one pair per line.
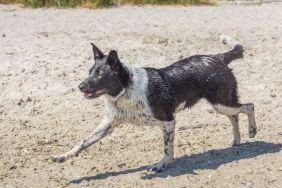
105,128
232,113
249,109
236,133
168,129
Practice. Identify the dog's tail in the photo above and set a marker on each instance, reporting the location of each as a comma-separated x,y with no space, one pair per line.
235,53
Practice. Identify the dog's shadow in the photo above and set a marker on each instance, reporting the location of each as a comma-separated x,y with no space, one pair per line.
211,159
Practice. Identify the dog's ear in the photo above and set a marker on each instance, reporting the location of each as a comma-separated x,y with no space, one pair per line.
98,54
113,60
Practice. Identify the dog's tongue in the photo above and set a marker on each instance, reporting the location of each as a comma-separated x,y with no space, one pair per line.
87,95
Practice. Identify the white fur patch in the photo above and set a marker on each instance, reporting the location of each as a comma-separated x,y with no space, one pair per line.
132,105
226,110
228,40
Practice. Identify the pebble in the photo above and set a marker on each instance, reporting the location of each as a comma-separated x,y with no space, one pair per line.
147,40
180,57
13,167
163,41
273,95
182,128
121,165
45,34
20,102
50,161
28,99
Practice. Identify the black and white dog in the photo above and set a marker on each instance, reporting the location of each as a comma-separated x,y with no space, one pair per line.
149,96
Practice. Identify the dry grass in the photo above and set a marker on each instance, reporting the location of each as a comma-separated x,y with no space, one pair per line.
103,3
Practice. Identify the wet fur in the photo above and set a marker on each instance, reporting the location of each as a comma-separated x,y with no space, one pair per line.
149,96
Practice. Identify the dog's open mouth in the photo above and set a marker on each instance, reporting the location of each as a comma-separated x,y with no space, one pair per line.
91,95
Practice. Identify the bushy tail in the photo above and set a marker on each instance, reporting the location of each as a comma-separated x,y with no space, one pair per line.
235,53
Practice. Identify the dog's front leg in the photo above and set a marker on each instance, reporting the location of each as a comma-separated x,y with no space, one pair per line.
105,128
168,129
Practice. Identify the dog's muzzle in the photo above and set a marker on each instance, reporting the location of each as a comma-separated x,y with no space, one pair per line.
89,93
83,87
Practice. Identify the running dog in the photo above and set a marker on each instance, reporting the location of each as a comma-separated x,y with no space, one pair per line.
150,96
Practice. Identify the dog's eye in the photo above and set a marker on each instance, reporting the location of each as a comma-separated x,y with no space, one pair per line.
97,72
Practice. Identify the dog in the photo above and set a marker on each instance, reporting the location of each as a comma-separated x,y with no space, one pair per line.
150,96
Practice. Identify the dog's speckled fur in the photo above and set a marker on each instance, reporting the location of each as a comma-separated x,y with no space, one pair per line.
149,96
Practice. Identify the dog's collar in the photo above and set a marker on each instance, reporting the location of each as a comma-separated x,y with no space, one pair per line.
118,96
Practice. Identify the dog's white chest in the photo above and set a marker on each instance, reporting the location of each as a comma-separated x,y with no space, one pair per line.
133,106
135,112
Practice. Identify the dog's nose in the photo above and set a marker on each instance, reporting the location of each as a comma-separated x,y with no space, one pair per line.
82,86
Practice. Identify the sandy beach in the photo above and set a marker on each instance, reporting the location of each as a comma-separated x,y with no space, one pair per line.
46,53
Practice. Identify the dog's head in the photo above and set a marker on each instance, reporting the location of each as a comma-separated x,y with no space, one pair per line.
106,76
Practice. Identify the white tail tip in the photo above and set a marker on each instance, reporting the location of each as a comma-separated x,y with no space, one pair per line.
228,40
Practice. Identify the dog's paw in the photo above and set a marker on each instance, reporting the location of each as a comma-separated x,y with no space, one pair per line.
159,167
252,132
58,158
234,142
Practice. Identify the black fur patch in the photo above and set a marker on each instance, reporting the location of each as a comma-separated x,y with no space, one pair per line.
190,79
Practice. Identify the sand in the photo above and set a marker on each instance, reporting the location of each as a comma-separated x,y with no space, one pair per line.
45,54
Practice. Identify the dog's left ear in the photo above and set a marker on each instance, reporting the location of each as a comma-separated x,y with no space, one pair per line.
98,54
113,60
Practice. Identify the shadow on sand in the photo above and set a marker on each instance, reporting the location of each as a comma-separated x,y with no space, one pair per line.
211,159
